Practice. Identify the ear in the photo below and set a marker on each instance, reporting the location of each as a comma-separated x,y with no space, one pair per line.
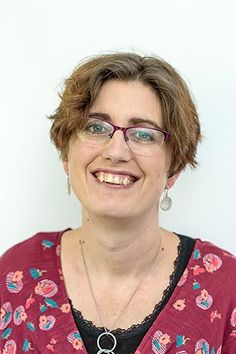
171,180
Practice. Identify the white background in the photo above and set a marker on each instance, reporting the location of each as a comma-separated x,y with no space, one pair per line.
42,41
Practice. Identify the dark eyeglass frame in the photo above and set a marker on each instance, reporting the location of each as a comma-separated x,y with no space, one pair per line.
115,127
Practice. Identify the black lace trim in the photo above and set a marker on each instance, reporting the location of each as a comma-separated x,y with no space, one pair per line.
147,321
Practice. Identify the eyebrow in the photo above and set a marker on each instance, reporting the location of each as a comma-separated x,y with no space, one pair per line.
132,121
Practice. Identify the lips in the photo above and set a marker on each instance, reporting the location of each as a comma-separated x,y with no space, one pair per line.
115,177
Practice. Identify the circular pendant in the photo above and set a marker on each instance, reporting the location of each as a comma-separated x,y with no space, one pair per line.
165,204
104,350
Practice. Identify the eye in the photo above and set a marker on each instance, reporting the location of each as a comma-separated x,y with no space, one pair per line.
141,135
144,135
96,127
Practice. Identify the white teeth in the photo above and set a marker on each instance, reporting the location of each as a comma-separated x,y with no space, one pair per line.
125,181
100,176
114,179
109,178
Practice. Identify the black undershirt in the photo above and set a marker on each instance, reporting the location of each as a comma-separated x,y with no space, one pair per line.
129,339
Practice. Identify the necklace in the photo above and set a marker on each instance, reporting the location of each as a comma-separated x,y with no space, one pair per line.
106,332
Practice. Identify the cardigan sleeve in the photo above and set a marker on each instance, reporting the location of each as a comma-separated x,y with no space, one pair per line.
35,314
16,327
20,267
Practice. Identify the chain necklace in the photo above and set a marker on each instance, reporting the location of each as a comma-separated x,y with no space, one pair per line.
107,332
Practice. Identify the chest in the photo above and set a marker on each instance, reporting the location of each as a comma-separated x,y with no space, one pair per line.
115,304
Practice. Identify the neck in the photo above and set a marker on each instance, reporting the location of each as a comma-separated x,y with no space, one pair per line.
120,248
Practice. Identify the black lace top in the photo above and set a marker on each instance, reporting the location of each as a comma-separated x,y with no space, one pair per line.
129,339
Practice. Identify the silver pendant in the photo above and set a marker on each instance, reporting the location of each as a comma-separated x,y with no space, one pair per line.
104,350
166,202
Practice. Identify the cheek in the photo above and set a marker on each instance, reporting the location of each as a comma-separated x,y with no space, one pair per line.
79,158
156,168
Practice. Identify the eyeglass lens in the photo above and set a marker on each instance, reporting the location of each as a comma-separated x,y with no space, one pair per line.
141,140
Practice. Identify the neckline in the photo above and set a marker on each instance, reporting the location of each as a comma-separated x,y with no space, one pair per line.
137,328
71,321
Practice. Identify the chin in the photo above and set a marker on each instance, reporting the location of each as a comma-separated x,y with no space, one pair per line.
113,211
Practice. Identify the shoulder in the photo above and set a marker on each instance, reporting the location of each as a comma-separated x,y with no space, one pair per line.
27,261
208,250
217,265
214,269
27,251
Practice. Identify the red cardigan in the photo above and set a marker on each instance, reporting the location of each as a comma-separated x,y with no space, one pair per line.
200,316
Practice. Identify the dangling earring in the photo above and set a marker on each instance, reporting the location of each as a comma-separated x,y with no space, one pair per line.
166,201
68,185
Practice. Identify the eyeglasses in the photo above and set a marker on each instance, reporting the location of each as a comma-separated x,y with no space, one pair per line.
140,139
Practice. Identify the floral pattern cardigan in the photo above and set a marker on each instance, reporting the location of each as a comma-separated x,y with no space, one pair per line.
35,314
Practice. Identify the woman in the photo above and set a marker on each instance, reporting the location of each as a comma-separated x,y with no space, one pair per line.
126,127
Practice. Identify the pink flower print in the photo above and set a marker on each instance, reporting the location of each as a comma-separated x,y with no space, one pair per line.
179,304
233,333
77,344
164,339
23,316
58,250
17,277
214,314
75,339
212,262
183,278
233,318
46,322
197,270
65,308
60,274
159,342
202,347
46,288
9,347
19,315
2,313
14,281
5,315
29,302
204,294
50,346
204,301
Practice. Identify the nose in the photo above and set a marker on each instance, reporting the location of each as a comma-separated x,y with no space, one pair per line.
117,149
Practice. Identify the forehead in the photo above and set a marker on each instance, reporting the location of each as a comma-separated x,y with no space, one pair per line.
123,100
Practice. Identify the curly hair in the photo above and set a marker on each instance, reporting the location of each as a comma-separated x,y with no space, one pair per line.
179,112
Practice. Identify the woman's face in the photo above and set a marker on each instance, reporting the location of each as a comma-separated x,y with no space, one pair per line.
120,101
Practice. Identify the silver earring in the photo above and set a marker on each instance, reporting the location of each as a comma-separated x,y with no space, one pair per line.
68,185
166,201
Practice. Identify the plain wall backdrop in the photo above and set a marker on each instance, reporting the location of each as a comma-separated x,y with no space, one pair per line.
42,41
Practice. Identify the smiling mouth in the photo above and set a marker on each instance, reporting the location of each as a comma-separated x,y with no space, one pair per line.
110,178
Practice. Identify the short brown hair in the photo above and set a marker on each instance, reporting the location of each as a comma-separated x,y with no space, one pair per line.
179,111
